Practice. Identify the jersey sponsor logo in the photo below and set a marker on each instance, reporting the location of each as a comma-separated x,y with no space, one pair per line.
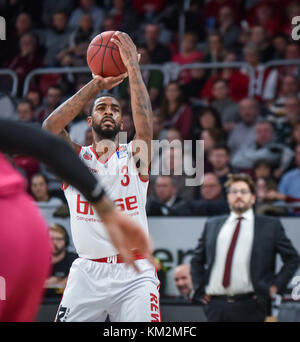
154,308
122,152
85,208
62,314
87,156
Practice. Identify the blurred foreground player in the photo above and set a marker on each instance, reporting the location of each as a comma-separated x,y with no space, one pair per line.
99,283
24,240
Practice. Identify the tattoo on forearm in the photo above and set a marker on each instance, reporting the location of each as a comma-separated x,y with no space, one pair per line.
68,110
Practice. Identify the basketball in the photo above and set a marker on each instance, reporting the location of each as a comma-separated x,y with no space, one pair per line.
103,56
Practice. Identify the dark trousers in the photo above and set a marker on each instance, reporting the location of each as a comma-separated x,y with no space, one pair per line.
245,310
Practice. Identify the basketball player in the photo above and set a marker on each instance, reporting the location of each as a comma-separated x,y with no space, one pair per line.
99,283
24,241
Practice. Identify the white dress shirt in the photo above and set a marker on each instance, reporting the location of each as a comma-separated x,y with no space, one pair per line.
240,280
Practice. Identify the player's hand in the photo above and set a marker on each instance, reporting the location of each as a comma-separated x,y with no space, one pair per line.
128,237
128,50
125,233
108,82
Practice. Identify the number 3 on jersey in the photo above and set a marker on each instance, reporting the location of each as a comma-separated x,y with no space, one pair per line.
125,181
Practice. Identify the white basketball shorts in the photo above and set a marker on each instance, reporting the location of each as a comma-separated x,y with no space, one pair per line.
95,290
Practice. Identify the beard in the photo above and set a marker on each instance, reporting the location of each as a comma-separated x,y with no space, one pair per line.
57,251
240,206
106,133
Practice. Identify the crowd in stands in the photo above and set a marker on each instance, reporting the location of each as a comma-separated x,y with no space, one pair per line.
258,135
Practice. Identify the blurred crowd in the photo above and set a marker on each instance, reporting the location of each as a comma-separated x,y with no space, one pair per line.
258,135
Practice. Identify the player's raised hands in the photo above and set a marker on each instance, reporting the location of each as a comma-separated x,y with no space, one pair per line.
108,82
127,48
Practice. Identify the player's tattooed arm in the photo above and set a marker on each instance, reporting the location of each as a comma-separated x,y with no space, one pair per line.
67,111
140,100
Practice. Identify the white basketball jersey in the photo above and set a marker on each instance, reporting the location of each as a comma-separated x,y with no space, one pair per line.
123,185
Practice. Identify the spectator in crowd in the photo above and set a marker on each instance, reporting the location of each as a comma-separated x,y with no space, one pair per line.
258,36
243,133
124,16
35,97
62,259
219,158
238,82
267,18
192,90
251,56
216,51
159,53
211,189
109,24
274,78
25,112
265,205
87,7
227,108
206,118
175,112
173,160
288,87
264,147
53,100
236,279
47,203
211,200
295,136
158,126
183,282
290,182
153,79
50,7
211,137
212,8
262,169
148,8
188,54
227,28
284,125
28,58
166,197
279,42
23,25
84,33
56,38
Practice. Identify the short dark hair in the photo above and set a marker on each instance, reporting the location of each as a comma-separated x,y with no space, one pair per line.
220,146
221,80
55,86
26,101
103,95
240,177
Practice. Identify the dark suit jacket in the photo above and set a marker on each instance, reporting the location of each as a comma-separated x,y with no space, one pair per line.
154,206
269,239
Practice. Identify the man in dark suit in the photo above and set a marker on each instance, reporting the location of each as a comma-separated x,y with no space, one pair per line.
233,266
166,198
